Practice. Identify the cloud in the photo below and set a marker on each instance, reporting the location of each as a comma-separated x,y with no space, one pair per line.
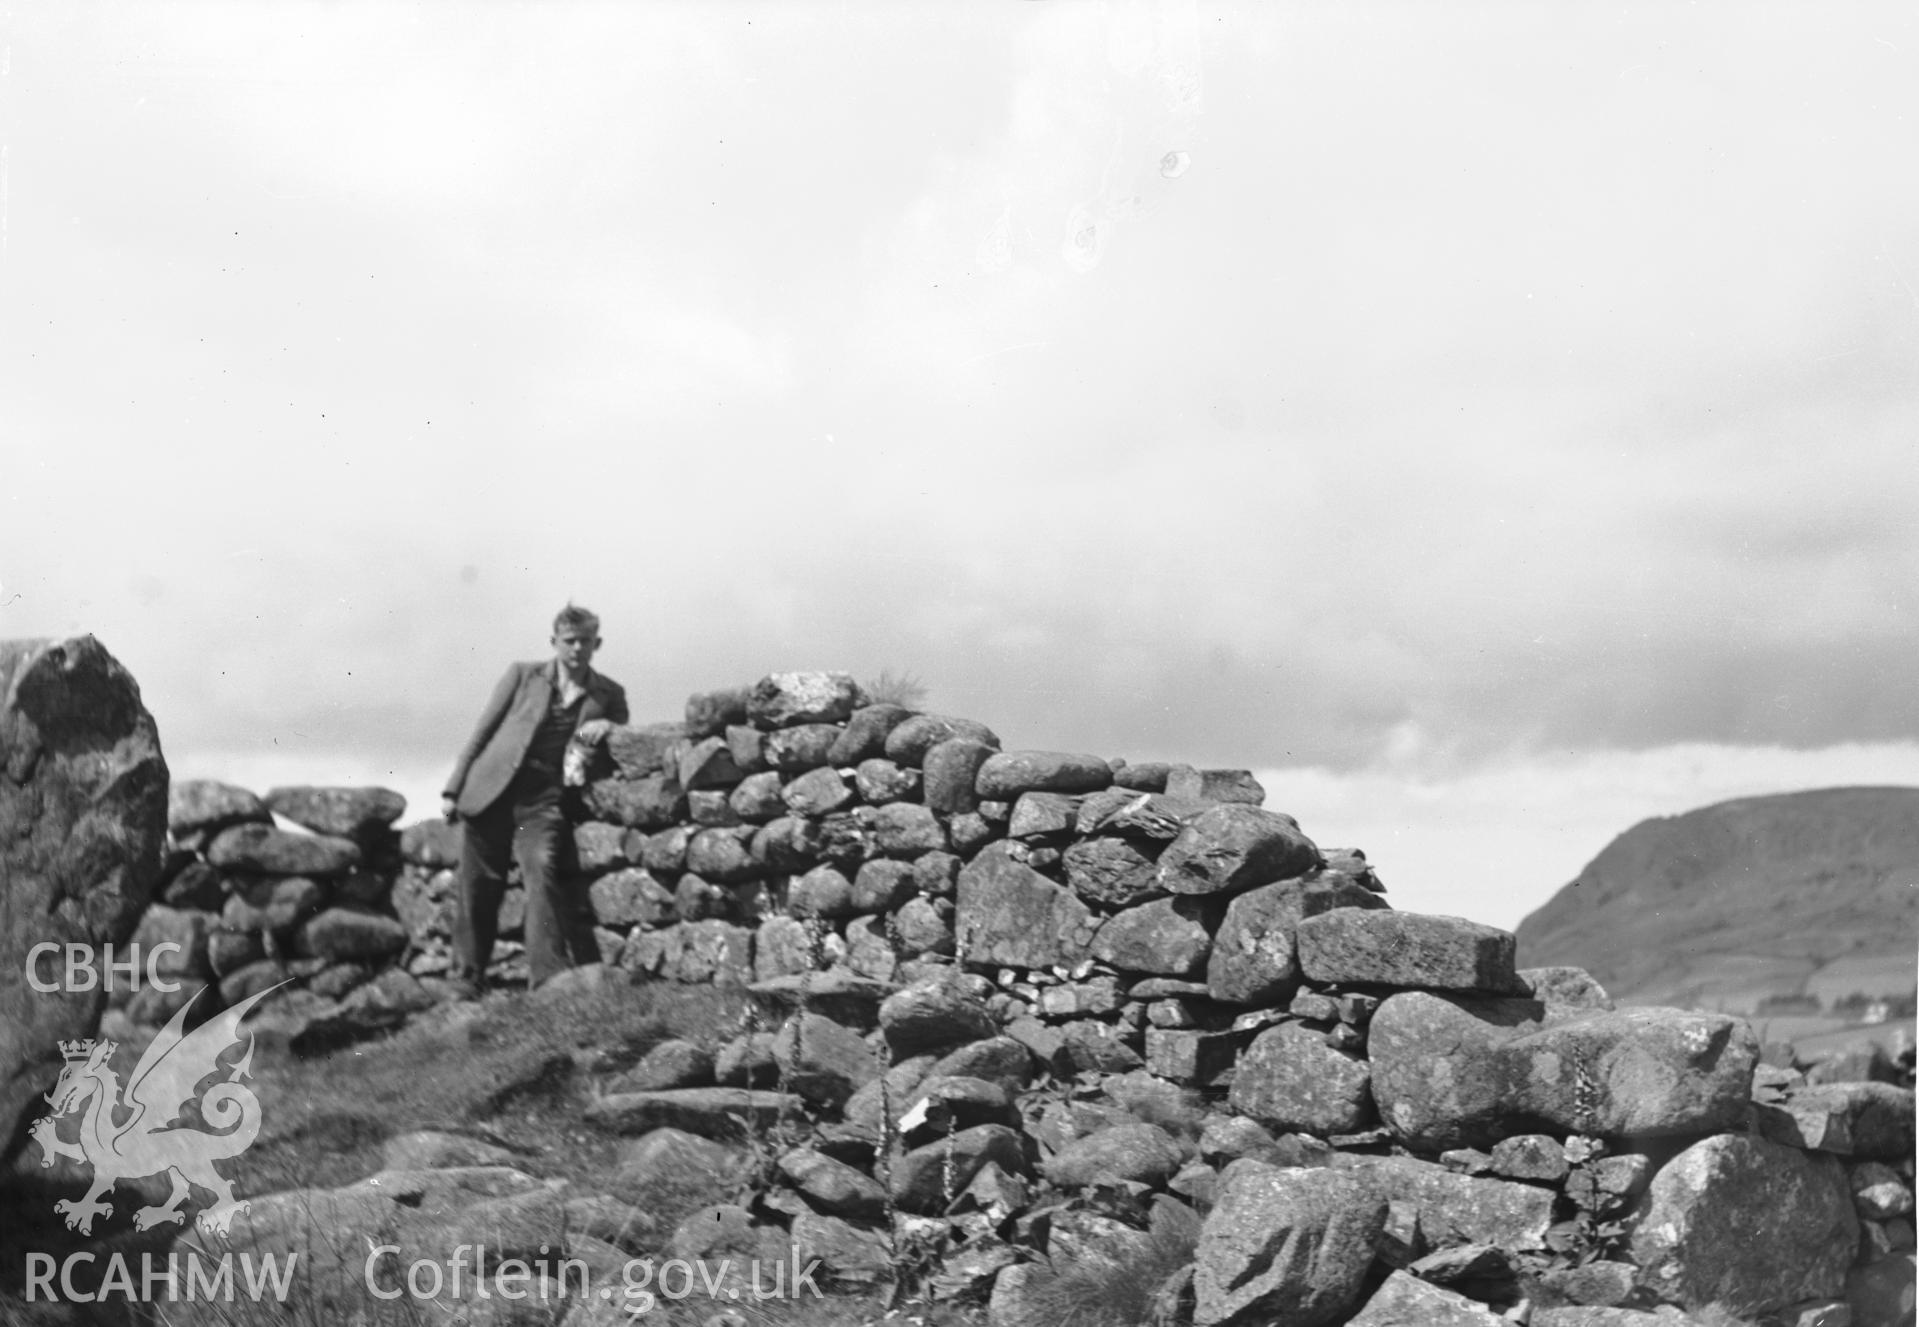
1473,390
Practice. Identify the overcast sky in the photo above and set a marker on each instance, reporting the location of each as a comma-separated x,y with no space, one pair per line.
1493,423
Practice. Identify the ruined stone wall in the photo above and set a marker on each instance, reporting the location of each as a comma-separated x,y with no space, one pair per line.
1148,929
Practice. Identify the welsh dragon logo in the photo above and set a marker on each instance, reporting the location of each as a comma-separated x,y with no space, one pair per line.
126,1135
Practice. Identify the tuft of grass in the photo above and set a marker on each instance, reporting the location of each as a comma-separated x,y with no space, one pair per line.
1118,1294
890,688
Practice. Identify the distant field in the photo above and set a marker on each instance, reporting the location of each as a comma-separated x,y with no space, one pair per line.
1884,974
1891,1034
1737,983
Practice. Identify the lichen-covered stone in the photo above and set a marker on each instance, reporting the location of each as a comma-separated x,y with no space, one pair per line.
1008,774
265,850
928,1178
821,892
1564,988
924,926
630,897
833,1186
784,699
1871,1121
1149,817
1143,1153
1110,872
431,843
903,829
1190,1055
1291,1080
723,855
706,951
1284,1245
1011,914
822,1060
347,813
1457,1209
708,764
1406,1301
1735,1217
802,747
748,747
1407,949
950,771
933,1015
1168,937
1232,847
649,802
1255,959
880,781
864,736
1514,1069
910,740
202,805
1215,785
882,885
817,792
347,933
1043,816
271,903
757,799
708,713
598,846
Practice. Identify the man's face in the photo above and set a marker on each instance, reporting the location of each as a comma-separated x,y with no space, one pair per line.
574,648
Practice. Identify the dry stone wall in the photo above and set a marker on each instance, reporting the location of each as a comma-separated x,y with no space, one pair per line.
995,974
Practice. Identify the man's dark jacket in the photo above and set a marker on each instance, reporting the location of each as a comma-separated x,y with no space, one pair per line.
512,715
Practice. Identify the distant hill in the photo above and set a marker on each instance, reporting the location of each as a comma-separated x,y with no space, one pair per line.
1811,892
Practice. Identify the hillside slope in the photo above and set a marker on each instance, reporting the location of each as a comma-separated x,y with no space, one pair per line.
1814,892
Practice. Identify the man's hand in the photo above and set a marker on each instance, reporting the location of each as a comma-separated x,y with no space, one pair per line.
593,731
449,811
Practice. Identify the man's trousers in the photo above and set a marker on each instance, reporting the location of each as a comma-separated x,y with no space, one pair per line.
524,822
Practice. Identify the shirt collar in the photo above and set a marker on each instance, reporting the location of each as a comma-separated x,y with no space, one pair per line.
555,680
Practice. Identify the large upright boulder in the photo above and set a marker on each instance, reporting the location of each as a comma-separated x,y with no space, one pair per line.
1517,1066
1738,1217
83,824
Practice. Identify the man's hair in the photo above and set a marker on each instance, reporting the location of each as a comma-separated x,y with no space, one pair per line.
576,619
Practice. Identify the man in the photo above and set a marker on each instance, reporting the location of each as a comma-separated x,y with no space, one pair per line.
506,787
